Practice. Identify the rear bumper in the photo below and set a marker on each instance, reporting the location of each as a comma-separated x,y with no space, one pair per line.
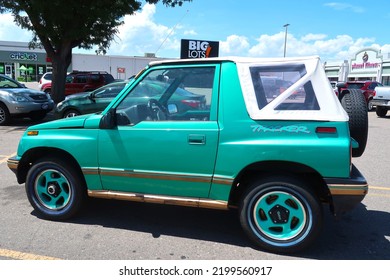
347,193
380,102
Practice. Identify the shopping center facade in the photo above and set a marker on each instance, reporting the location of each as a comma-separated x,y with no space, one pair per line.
366,64
20,62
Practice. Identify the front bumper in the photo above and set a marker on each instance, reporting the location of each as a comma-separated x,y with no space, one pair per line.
347,193
27,107
12,164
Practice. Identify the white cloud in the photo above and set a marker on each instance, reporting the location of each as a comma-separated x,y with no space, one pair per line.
313,37
8,29
341,6
190,32
234,45
140,34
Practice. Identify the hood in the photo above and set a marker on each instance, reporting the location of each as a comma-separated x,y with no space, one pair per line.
74,122
22,91
77,95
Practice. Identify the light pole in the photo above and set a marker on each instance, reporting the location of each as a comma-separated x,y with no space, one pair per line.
285,39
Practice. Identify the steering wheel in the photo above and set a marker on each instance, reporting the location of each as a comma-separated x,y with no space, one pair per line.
157,110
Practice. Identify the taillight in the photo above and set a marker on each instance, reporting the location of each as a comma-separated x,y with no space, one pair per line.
373,93
191,103
326,130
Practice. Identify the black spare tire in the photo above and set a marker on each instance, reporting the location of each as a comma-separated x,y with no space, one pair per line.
354,104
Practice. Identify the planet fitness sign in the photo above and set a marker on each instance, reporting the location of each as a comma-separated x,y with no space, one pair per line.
199,49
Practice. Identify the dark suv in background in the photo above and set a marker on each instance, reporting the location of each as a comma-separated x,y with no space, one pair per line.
83,81
367,88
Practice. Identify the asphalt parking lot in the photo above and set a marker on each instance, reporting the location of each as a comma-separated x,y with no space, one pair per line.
114,230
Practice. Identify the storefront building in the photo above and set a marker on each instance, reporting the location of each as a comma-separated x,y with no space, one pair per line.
19,62
368,64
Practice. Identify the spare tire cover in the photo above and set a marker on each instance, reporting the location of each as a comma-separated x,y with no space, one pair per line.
354,104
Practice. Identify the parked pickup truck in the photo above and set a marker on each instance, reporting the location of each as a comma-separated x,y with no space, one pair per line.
382,101
274,158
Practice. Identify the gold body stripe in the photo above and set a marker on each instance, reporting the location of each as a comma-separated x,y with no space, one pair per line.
161,199
158,176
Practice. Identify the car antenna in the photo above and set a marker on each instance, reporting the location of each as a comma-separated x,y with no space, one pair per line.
172,29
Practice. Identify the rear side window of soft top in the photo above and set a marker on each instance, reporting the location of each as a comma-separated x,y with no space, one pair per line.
271,81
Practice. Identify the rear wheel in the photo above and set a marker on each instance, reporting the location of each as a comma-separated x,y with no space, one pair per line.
381,111
55,188
280,214
355,105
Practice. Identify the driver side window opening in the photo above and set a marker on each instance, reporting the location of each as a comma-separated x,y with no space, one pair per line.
174,94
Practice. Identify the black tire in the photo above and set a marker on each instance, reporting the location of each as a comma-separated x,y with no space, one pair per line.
280,214
5,116
55,189
71,113
355,105
381,111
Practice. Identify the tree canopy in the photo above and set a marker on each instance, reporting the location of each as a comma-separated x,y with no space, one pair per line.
59,26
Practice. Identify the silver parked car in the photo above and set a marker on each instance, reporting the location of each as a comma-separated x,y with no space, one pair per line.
17,101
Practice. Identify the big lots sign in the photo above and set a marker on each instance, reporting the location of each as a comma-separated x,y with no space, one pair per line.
199,49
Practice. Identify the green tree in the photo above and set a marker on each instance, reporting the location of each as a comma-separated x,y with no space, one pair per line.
59,26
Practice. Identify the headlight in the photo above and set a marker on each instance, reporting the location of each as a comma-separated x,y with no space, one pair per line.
19,98
59,105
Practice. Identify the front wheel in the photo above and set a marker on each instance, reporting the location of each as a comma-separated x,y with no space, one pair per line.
5,117
281,215
55,189
71,113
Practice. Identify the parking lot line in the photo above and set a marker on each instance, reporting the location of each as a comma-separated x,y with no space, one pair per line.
16,255
379,188
5,157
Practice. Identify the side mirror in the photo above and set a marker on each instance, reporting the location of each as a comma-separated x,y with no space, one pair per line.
108,121
91,97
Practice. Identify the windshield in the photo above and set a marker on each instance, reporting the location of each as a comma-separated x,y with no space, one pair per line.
8,83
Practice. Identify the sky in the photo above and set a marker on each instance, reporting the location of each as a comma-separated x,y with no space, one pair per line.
331,30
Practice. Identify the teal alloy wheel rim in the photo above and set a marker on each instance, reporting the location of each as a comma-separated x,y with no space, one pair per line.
279,216
52,189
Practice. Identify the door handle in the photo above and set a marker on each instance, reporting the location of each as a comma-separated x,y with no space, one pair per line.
197,139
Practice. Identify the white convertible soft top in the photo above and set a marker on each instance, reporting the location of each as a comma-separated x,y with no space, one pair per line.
329,109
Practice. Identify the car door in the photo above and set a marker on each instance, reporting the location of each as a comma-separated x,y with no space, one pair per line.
159,147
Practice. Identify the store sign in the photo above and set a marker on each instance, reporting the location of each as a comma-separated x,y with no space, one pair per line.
24,56
366,61
199,49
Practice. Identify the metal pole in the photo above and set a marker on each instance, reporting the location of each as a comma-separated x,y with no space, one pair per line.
285,39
